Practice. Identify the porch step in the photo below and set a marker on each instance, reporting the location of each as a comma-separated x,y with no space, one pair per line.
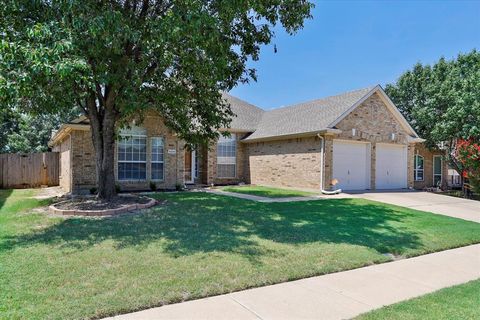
195,186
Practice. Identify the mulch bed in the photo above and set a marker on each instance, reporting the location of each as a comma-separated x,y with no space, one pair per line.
91,206
92,203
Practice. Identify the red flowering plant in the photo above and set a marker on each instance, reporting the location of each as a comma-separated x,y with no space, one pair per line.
468,154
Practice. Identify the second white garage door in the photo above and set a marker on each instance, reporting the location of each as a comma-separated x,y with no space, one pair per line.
391,166
351,165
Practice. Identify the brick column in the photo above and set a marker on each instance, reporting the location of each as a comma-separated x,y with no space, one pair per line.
211,163
373,165
179,157
410,164
328,164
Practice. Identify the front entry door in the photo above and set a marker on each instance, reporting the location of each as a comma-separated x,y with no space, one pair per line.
189,169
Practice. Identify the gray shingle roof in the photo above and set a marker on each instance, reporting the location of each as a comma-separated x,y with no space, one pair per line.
248,115
306,117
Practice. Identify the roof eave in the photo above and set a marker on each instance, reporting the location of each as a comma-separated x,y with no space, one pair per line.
236,130
327,131
64,130
415,139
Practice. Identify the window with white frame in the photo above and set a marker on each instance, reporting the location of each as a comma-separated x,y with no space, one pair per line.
437,171
418,168
227,157
157,161
132,155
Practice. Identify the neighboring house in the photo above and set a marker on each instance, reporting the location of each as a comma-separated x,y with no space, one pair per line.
430,169
454,179
358,138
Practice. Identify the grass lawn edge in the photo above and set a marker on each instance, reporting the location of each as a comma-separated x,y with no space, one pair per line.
289,279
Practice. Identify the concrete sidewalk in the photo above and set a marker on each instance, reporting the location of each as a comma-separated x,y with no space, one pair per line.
334,296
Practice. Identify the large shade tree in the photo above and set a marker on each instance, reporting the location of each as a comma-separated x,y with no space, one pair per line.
114,59
8,124
29,132
442,102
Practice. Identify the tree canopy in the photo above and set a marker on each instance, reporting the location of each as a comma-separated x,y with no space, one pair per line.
468,154
442,102
26,132
116,58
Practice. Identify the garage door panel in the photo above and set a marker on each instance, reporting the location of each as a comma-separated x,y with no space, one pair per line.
351,165
391,166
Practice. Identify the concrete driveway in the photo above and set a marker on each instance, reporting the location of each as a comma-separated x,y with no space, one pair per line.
427,201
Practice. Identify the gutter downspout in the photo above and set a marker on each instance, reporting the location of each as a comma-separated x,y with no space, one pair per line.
322,165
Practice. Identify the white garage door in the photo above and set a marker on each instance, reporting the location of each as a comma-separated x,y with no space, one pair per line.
391,167
351,165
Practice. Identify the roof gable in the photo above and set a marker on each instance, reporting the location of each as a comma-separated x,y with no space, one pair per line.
311,116
388,103
247,115
320,115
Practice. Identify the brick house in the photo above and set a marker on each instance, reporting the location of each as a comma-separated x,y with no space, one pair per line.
358,138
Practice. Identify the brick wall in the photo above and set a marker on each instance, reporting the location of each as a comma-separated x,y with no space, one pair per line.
428,155
288,163
64,151
82,160
242,164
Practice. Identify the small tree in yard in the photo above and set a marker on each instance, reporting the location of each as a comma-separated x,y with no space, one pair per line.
468,154
115,59
442,102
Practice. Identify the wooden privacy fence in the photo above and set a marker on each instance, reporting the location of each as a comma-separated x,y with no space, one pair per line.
29,170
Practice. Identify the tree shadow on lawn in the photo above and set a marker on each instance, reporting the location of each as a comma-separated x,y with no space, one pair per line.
4,194
192,223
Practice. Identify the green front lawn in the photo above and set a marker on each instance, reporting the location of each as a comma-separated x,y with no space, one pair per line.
196,245
458,302
269,192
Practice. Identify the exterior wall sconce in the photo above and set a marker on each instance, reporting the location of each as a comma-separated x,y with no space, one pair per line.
354,132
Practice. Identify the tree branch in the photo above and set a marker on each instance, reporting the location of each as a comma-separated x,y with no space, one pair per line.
100,96
145,7
84,109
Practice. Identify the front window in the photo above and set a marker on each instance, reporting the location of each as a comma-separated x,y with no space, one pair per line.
157,159
418,168
227,157
132,157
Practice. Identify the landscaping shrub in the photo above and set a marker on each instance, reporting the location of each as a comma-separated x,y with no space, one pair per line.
468,153
153,186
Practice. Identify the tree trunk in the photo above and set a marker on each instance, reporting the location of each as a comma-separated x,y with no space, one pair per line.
102,124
